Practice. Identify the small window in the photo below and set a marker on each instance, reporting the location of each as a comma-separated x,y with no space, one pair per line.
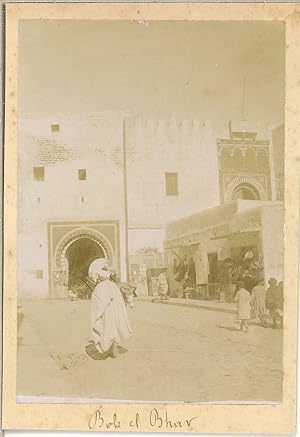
172,184
54,127
38,173
82,174
39,274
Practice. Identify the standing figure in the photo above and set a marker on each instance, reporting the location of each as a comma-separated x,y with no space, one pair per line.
127,292
191,271
279,310
243,299
274,302
258,300
162,286
171,275
181,269
127,289
181,275
110,324
141,285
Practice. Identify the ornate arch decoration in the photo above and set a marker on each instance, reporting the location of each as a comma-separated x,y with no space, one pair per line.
76,234
225,157
223,147
239,180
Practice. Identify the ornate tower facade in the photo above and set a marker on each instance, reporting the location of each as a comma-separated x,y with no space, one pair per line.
244,166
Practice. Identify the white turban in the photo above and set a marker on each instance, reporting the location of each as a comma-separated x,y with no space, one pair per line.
98,267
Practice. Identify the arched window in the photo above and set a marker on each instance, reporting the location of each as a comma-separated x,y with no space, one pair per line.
225,159
245,192
262,160
238,161
250,161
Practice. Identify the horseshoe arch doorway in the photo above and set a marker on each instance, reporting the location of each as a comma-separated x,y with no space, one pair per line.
72,257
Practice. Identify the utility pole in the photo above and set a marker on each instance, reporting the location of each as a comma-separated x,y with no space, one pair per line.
125,186
243,104
243,107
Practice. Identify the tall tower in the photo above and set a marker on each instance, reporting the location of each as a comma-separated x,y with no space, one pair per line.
244,168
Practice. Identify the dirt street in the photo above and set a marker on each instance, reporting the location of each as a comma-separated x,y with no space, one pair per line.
176,354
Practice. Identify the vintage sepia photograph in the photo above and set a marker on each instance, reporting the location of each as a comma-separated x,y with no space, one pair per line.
150,211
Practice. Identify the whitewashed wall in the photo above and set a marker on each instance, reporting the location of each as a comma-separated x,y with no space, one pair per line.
94,142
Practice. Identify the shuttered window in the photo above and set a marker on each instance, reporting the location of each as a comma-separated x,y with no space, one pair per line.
82,174
55,128
171,184
39,274
38,173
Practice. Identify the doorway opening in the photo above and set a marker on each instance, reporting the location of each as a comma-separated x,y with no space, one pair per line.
213,267
80,254
245,192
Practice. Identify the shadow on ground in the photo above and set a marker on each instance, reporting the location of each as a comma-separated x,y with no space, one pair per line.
94,354
229,328
234,328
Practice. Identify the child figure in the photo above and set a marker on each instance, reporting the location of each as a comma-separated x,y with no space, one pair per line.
243,299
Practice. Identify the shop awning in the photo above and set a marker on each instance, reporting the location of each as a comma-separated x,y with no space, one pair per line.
233,234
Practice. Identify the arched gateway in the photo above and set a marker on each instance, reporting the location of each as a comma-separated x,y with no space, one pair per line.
72,255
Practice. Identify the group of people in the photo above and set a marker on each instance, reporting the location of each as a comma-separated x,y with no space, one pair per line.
110,323
259,303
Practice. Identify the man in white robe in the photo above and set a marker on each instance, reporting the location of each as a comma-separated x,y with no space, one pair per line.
162,286
110,324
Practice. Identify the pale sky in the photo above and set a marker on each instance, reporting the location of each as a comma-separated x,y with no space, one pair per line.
181,69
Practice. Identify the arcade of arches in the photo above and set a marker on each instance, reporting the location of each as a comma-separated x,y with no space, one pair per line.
244,170
235,158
